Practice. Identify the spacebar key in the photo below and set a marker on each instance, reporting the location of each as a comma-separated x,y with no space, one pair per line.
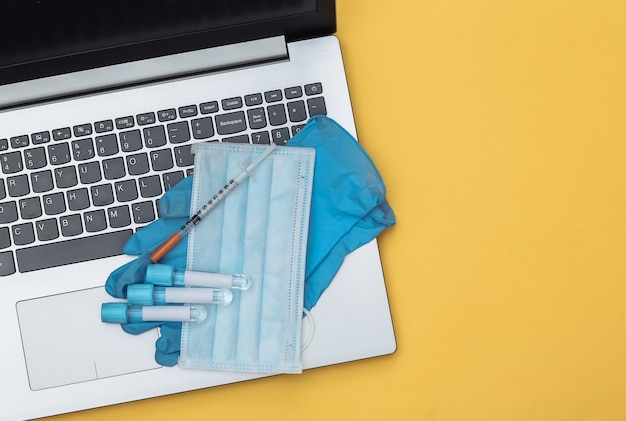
72,251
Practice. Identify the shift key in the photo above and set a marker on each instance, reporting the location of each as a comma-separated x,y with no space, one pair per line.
230,123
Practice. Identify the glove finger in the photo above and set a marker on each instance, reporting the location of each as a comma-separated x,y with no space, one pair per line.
132,272
168,345
177,201
137,328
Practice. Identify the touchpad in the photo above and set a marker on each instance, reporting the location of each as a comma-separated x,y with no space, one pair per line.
65,342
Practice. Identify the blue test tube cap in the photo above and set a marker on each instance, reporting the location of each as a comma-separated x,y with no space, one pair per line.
114,312
159,274
140,294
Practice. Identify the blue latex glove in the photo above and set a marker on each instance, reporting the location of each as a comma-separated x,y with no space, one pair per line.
348,210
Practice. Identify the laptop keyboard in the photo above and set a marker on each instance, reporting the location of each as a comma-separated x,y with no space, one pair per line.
78,192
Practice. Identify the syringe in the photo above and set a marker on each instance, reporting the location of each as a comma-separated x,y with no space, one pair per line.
175,238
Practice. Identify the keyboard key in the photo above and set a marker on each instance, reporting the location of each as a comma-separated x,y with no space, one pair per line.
178,132
150,186
4,145
82,130
71,225
188,111
89,172
41,181
297,111
11,162
273,96
316,106
59,153
256,118
280,136
54,204
126,191
95,220
47,229
161,160
124,122
61,134
7,265
154,136
230,123
5,237
107,145
209,107
296,129
30,208
313,89
183,156
276,114
40,137
35,158
18,185
68,252
103,126
232,103
78,199
3,192
119,216
261,138
19,141
65,177
146,118
202,128
167,115
23,234
137,164
253,99
143,212
113,168
83,149
237,139
172,178
102,195
293,92
130,141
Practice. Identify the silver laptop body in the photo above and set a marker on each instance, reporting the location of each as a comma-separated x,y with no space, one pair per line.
57,356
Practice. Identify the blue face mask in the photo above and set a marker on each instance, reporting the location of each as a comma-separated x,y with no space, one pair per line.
260,230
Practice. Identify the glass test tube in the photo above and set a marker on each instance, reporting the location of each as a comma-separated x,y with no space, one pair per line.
125,313
148,295
167,275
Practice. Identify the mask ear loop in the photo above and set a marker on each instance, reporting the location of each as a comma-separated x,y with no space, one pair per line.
309,317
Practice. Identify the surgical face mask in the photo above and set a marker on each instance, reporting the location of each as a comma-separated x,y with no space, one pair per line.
261,230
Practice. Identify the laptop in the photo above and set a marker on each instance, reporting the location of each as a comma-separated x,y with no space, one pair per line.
99,106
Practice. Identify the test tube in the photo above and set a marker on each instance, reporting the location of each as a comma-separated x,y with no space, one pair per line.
167,276
125,313
148,295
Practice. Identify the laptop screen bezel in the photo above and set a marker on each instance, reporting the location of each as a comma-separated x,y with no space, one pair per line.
296,27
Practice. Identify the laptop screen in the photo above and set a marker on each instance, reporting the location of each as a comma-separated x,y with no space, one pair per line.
47,37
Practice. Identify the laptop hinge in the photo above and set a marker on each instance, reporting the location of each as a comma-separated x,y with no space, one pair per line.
144,71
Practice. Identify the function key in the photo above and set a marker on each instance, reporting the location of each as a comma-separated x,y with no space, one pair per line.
19,141
273,96
209,107
104,126
167,115
4,145
188,111
232,103
82,130
39,138
62,134
253,99
313,89
124,122
293,92
146,118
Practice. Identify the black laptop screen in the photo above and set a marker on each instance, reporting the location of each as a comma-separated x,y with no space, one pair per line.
45,37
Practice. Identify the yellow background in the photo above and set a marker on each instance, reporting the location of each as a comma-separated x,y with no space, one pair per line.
499,127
